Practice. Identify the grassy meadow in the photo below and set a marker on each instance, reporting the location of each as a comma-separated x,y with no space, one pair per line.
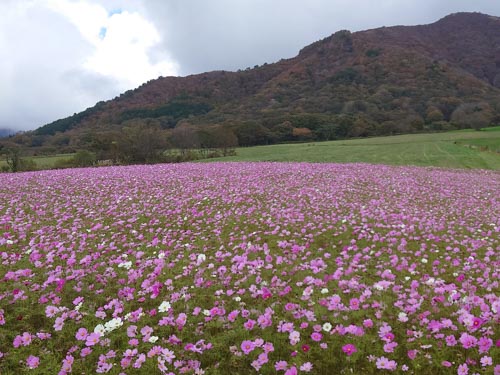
458,149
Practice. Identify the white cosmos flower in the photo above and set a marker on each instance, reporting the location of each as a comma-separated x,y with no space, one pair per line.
327,327
402,317
113,324
126,265
164,306
100,329
153,339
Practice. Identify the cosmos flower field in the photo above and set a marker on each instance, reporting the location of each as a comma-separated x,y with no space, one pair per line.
241,268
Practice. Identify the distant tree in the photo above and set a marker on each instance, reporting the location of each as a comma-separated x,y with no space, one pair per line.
416,122
361,127
185,137
302,134
473,115
140,143
388,128
150,143
325,132
16,163
84,158
282,132
225,140
251,133
434,114
13,159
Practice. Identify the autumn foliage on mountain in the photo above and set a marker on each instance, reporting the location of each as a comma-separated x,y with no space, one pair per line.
383,81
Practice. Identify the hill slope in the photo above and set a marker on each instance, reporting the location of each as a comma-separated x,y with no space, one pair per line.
389,80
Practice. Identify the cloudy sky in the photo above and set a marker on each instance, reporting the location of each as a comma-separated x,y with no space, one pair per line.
58,57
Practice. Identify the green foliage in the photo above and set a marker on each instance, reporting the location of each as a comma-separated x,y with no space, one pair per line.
84,158
16,163
67,123
251,133
175,111
473,115
347,76
372,52
140,143
81,159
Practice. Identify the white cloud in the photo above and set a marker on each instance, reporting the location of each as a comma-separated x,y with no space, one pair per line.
122,51
122,41
60,60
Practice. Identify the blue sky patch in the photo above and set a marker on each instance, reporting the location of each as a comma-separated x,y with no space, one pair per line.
115,11
102,33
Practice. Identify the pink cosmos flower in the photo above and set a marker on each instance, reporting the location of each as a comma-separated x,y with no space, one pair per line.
316,336
467,340
247,346
291,371
390,346
484,344
281,365
306,367
382,363
132,331
92,339
256,365
451,340
268,347
367,323
26,338
486,361
81,334
463,369
32,362
85,352
249,324
263,358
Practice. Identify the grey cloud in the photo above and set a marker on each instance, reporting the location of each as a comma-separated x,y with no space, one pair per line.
234,34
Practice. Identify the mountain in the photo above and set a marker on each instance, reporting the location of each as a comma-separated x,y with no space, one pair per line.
4,132
383,81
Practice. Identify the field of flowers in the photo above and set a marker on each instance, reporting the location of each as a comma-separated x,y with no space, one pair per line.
241,268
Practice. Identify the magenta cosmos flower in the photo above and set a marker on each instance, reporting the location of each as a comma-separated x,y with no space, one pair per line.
349,349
